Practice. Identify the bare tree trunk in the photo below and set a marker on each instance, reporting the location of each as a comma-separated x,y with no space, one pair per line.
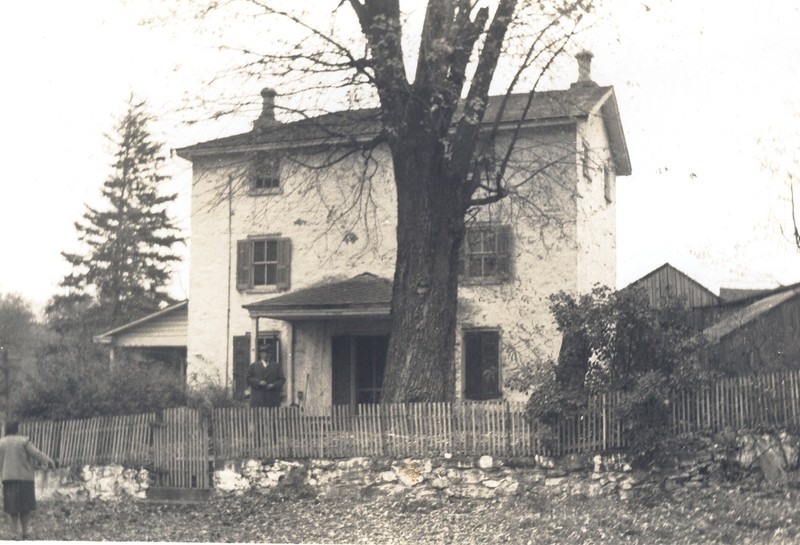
430,228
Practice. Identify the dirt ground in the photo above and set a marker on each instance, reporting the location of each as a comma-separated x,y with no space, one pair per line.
718,514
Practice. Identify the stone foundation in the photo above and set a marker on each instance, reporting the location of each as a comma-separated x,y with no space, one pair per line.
700,461
110,482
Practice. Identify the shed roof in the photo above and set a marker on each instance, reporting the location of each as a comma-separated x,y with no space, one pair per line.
746,314
365,295
142,323
547,107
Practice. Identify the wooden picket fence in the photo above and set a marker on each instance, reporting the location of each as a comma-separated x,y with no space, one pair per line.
101,440
421,429
418,429
181,449
737,403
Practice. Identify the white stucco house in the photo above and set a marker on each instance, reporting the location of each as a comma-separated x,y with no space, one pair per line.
281,257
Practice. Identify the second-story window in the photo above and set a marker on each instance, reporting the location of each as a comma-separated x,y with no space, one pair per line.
263,263
485,254
266,175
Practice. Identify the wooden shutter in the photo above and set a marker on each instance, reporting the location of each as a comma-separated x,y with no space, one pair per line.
504,251
341,370
241,361
284,263
244,269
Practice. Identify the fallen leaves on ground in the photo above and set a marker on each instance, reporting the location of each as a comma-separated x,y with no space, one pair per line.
709,515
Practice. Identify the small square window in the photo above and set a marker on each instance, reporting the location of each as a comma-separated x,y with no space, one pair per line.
587,167
266,174
608,180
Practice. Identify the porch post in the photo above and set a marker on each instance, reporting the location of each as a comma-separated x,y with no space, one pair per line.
253,338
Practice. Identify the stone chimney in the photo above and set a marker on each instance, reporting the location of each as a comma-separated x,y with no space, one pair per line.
584,59
267,117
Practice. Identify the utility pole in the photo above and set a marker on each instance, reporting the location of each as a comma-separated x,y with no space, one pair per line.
6,377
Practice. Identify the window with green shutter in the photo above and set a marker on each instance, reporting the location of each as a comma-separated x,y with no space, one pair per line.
486,254
263,262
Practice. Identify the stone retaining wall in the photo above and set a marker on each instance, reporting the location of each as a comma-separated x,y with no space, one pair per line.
701,461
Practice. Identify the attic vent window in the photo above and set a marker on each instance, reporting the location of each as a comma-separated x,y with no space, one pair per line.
266,176
587,167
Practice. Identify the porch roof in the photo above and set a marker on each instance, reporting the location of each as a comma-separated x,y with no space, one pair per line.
365,295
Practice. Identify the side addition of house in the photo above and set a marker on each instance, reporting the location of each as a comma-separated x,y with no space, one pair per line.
293,246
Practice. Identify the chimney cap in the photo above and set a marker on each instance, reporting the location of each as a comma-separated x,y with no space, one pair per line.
267,117
584,59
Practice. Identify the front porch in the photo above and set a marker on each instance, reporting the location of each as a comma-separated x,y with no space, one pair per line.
337,342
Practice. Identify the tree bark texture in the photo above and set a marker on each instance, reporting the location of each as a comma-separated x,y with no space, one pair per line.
432,154
430,228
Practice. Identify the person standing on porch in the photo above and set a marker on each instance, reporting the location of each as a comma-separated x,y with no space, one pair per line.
266,381
17,457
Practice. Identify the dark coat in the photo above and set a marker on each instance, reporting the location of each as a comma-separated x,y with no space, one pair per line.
269,394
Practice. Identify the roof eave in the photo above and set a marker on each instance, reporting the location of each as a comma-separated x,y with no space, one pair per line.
106,337
191,152
296,314
609,111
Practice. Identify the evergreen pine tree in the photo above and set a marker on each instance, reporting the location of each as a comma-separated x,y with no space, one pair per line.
129,241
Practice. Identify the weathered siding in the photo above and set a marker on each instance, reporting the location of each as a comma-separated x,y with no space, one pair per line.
766,344
667,283
167,330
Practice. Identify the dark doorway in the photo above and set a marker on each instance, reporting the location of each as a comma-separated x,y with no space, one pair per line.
358,363
481,364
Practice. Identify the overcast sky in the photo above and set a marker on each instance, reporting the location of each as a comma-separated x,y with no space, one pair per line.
707,93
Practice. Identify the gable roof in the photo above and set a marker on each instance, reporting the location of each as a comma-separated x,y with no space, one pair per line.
150,319
547,107
759,305
667,281
363,295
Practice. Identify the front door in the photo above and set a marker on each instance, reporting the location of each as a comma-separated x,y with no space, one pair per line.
358,363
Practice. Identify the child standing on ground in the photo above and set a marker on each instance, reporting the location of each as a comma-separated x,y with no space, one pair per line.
17,456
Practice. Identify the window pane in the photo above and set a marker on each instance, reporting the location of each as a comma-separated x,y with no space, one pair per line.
272,274
263,182
489,242
259,275
490,265
259,251
272,251
475,267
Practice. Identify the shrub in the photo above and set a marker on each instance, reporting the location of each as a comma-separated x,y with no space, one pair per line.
615,341
65,389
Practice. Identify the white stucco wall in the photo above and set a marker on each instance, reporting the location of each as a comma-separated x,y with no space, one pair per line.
568,247
328,241
596,217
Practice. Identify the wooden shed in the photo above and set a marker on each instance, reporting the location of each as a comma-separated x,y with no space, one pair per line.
159,337
757,335
667,283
